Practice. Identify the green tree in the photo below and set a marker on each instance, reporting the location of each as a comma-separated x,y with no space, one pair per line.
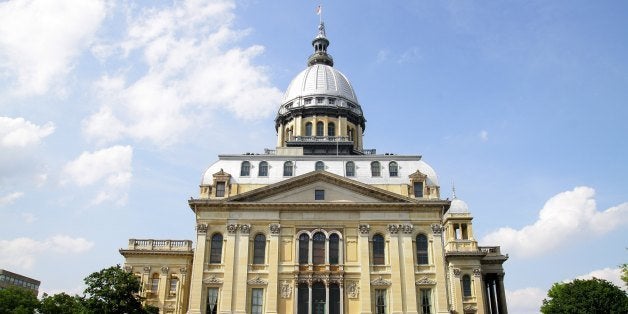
14,300
624,274
585,296
62,303
113,290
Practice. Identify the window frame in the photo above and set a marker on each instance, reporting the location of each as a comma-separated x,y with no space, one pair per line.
308,129
319,195
304,250
376,169
262,171
320,128
245,169
425,299
319,240
379,249
380,301
259,249
215,248
212,291
417,187
221,188
467,290
422,249
257,300
393,169
350,169
331,129
334,249
288,169
319,165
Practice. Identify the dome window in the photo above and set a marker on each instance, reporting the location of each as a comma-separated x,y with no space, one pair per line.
350,169
331,101
308,129
331,129
307,101
319,128
288,169
289,105
320,100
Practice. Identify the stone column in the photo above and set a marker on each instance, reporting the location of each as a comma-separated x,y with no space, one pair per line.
478,287
492,297
240,290
342,297
365,274
501,294
327,296
273,268
309,297
438,260
407,268
456,288
396,289
197,289
226,297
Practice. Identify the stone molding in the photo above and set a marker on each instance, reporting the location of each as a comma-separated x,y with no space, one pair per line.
201,228
380,282
425,282
257,281
364,229
212,281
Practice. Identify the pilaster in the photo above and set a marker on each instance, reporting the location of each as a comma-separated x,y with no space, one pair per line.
396,289
442,304
226,297
408,267
273,268
240,290
198,266
365,274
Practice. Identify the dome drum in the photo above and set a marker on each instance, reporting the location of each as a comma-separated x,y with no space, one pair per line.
352,115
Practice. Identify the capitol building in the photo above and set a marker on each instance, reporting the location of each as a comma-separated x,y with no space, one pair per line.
320,224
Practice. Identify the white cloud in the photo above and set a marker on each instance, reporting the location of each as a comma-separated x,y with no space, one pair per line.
109,167
564,217
611,274
10,198
29,218
23,252
40,39
483,135
192,71
19,133
525,301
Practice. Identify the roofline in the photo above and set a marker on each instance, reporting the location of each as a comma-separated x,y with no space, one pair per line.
377,157
125,252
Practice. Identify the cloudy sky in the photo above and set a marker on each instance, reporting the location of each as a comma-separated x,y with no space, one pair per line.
110,111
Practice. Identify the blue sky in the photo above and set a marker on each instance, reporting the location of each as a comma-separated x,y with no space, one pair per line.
111,110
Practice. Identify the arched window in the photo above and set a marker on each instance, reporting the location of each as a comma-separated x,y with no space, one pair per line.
259,249
334,298
378,250
304,298
331,129
393,169
350,169
376,169
215,249
318,248
421,250
319,128
304,247
334,244
319,165
263,169
466,286
308,129
288,169
154,284
318,297
245,169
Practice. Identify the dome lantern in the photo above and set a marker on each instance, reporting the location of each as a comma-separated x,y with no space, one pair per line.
320,44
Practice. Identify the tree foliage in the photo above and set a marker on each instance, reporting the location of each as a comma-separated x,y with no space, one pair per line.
113,290
14,300
624,274
62,303
585,296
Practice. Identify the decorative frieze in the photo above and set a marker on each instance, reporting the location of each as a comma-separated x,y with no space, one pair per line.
364,229
477,272
274,228
245,228
212,281
285,289
201,228
425,282
380,282
396,228
353,290
437,228
257,281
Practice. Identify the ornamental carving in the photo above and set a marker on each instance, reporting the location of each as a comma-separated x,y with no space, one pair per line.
320,278
393,229
147,269
274,228
285,289
164,270
232,228
477,272
245,229
379,282
456,272
425,282
437,228
364,229
470,309
212,281
304,279
257,281
353,290
183,270
128,268
201,228
408,228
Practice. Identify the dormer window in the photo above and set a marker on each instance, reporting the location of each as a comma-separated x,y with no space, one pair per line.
418,189
220,189
288,105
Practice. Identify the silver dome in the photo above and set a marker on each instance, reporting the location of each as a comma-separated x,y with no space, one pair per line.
320,80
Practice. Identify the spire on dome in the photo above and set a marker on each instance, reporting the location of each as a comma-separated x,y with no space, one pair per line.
320,44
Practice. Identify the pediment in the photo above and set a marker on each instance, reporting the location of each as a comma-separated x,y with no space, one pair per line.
337,189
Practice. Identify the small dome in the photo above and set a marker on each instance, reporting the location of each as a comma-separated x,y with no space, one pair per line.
320,80
458,206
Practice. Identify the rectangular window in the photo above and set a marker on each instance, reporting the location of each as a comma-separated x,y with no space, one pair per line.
154,285
418,189
426,301
220,189
257,301
332,101
173,284
319,100
380,301
319,195
212,300
308,101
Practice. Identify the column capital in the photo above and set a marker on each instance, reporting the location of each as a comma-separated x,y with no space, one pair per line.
364,229
201,228
274,229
